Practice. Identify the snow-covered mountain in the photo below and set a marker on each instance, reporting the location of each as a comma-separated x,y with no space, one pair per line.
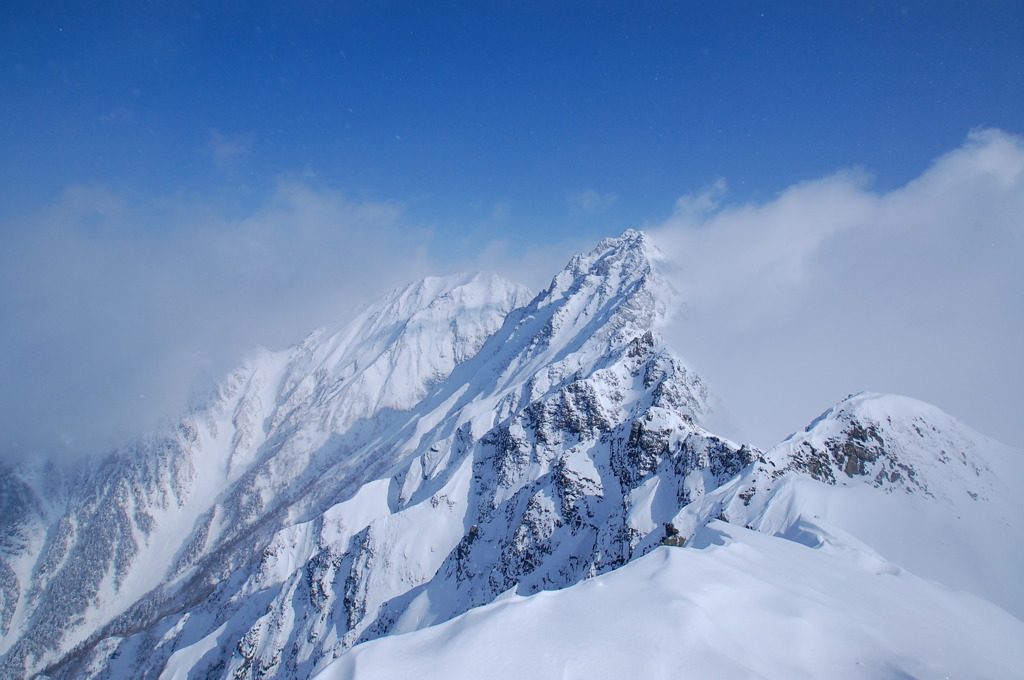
873,545
881,475
460,448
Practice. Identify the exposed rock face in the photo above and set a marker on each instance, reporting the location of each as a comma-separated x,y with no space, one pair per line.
892,477
886,439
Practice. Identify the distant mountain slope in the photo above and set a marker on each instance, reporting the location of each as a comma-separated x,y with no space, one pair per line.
900,476
156,525
459,443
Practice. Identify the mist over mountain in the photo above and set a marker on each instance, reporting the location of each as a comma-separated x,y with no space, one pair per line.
117,306
525,485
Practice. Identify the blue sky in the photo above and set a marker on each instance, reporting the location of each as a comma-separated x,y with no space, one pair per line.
189,179
454,110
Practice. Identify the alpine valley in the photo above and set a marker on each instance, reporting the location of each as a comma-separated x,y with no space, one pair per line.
468,481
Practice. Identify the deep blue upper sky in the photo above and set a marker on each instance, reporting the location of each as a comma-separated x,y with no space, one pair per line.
454,110
182,181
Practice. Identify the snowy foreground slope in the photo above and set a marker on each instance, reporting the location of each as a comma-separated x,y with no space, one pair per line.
736,604
463,467
815,585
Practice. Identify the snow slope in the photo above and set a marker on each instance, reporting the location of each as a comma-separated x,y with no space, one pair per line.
909,481
882,542
154,526
733,604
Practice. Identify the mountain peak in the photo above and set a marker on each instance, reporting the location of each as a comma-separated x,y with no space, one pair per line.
630,241
892,443
614,293
390,354
631,254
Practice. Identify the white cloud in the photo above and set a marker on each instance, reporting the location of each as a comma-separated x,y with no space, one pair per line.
501,211
693,207
111,309
227,150
834,288
591,202
534,264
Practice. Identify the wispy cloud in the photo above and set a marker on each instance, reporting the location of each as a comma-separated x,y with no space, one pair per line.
227,150
501,211
591,202
120,114
697,206
833,287
113,308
